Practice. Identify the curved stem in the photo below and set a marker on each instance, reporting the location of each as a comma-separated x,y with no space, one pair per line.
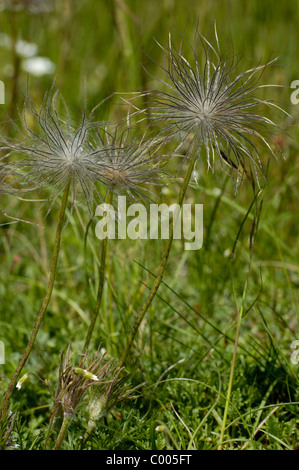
62,432
44,305
100,286
162,267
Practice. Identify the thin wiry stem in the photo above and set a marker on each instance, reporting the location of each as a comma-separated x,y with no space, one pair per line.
162,267
45,304
100,285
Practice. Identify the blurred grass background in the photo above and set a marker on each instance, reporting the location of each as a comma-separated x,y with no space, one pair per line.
185,346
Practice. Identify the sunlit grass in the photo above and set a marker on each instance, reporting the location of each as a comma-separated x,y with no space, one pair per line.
185,345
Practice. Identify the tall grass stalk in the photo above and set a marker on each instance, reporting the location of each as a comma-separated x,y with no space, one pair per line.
45,304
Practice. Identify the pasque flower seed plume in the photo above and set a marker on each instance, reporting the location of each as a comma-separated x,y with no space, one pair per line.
54,152
87,156
130,164
209,103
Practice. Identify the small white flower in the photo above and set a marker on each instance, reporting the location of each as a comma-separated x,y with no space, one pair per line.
23,48
26,49
86,374
38,66
22,380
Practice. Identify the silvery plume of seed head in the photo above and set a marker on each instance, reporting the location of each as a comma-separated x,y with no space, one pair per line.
210,104
51,151
132,164
3,176
5,188
86,155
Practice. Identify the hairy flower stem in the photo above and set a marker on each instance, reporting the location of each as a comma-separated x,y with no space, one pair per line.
100,286
44,305
62,432
162,267
53,416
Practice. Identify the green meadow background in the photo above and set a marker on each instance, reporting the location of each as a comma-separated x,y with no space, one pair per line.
184,350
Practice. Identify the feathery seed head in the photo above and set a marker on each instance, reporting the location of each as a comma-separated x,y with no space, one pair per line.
87,156
5,188
211,104
5,172
56,152
129,164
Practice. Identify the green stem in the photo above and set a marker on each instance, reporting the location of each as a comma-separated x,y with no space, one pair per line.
100,286
162,267
44,305
62,432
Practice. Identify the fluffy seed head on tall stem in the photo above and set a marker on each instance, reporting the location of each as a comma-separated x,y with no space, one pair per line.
210,103
54,152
